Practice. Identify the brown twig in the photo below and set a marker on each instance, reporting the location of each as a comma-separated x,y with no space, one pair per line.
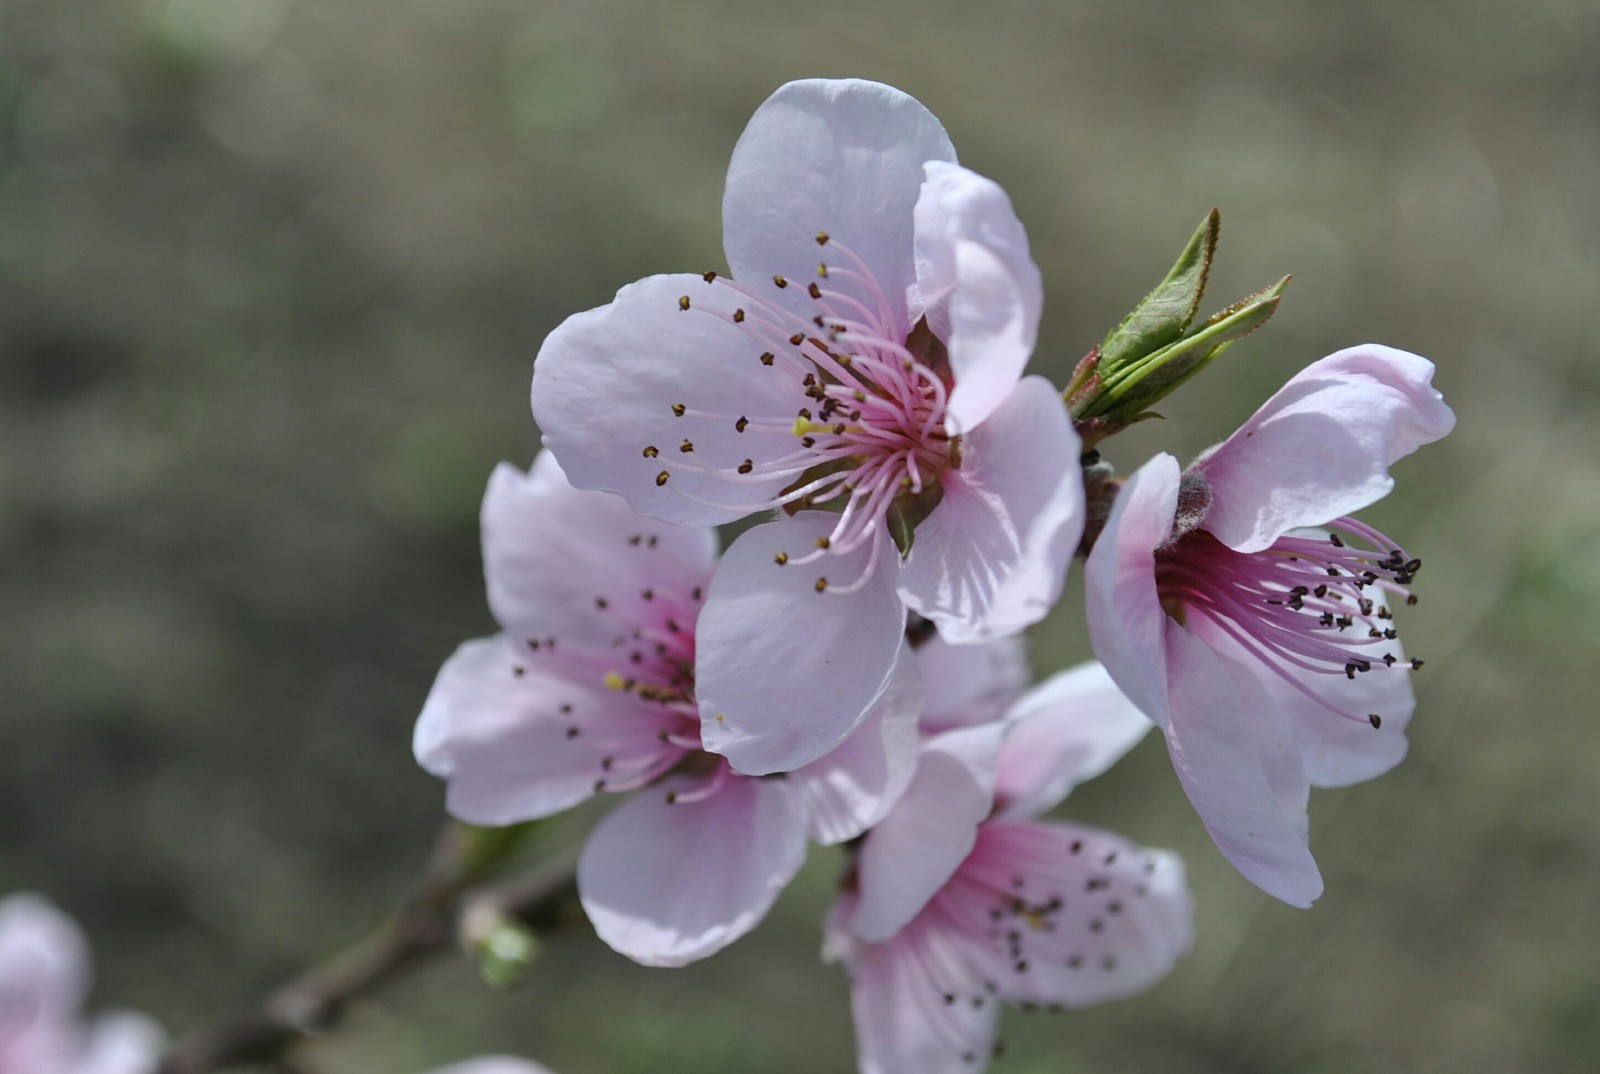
425,924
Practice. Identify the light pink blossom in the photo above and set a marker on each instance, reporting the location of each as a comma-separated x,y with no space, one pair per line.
1265,650
962,900
864,357
493,1064
591,687
44,977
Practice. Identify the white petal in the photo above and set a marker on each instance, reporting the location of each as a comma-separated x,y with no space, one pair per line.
666,884
967,684
121,1043
783,673
992,557
1322,446
852,788
1068,729
1216,751
605,383
553,555
1126,622
493,1064
43,956
978,286
842,157
908,857
903,1024
518,747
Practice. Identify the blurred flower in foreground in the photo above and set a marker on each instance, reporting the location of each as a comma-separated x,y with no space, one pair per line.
591,687
882,386
1267,651
962,899
493,1064
44,976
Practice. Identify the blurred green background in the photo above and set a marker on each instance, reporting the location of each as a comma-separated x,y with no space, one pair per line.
272,275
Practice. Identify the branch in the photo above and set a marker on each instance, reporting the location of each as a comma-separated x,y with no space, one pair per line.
424,924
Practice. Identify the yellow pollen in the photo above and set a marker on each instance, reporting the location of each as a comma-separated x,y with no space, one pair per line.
822,583
661,478
822,238
683,303
781,558
615,681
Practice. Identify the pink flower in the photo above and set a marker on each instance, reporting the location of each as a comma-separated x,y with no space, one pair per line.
44,976
963,900
865,357
1268,653
493,1064
592,687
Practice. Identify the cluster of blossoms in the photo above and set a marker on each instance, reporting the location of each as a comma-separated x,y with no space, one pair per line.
847,671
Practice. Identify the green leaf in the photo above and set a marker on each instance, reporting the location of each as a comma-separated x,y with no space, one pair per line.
1166,312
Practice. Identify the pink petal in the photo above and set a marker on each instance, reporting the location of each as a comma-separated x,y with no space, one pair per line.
992,557
784,672
1126,622
493,1064
1068,729
918,846
842,157
666,884
853,787
1217,755
903,1024
554,555
605,383
44,959
967,684
122,1043
1322,446
506,742
978,286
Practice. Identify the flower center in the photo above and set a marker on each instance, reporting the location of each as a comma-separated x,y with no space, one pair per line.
869,423
1307,603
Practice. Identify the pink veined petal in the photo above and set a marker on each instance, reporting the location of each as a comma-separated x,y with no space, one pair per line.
903,1025
669,883
978,286
1335,751
1126,622
493,1064
783,672
553,555
606,381
967,684
992,557
506,742
1322,446
840,156
1101,917
931,829
1215,752
43,957
1065,731
121,1043
853,787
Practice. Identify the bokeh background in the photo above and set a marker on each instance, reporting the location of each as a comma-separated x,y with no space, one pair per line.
272,275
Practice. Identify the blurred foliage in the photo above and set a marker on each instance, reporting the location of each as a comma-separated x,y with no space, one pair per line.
271,278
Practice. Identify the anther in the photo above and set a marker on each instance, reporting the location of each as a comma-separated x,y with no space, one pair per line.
768,358
1374,719
738,316
651,451
661,478
678,410
822,269
781,558
1416,664
823,542
822,238
709,277
1333,539
798,338
572,732
746,466
822,583
739,425
683,303
601,603
814,291
686,447
780,281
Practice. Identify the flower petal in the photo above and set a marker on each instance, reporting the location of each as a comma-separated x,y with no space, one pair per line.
569,565
44,959
1068,729
838,156
666,884
908,857
1322,446
903,1024
978,287
493,1064
784,672
853,787
1126,622
606,381
518,747
121,1043
1216,753
992,557
967,684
